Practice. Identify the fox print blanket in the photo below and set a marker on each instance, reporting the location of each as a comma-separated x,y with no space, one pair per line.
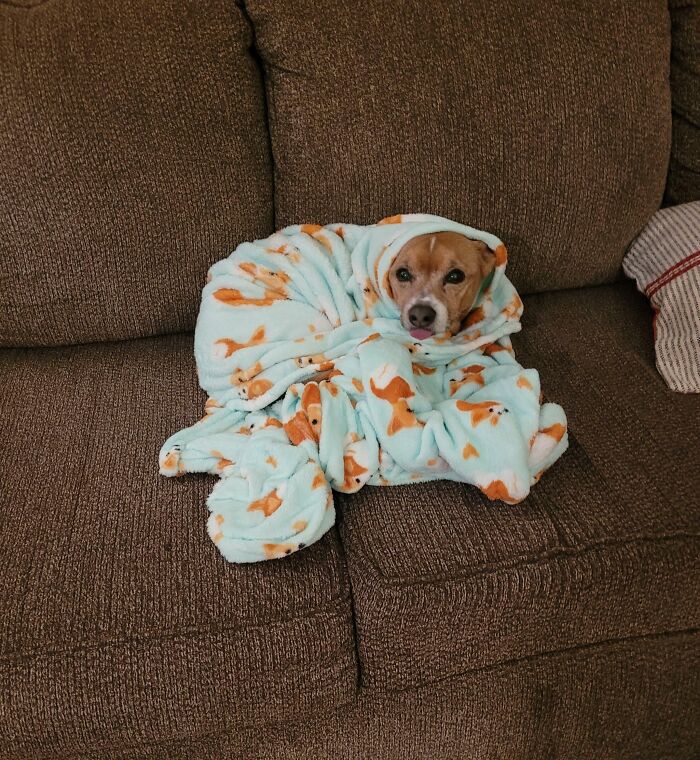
314,385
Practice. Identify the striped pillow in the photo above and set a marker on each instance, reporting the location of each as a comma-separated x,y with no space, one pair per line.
665,262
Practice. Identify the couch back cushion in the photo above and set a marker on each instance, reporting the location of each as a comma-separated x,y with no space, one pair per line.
547,123
684,173
133,154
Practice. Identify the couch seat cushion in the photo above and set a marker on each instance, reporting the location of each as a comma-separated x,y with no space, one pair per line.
119,620
604,548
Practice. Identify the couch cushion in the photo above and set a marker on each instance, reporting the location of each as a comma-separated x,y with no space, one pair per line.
624,700
134,154
684,171
545,123
605,547
119,620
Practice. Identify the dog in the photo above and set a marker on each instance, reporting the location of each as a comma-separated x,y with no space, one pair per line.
435,279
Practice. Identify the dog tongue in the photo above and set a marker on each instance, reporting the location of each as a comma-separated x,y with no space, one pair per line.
420,334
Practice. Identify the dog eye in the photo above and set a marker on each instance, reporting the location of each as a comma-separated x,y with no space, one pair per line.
403,275
454,276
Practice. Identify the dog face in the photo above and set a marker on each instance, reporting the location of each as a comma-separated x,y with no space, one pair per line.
435,279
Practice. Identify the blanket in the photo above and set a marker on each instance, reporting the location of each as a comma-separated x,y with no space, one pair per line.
313,385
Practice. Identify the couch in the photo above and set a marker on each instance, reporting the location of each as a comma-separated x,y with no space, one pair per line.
142,140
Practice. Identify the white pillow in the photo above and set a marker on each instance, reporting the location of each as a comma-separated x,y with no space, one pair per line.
665,261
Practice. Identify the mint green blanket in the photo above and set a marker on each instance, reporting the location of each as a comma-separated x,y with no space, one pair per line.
314,385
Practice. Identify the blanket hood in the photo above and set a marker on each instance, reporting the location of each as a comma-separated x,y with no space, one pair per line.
374,253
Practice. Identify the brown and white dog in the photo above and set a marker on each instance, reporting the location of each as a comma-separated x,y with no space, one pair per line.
435,279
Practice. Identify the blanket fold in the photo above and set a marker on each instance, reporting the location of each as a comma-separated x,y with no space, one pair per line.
314,385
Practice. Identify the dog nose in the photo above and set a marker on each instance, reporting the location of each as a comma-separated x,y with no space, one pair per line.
421,315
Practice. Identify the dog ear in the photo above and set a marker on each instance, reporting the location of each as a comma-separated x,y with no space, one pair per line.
487,260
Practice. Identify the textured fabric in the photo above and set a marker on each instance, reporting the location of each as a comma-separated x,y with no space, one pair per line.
684,173
134,154
393,409
605,547
119,621
632,700
665,262
546,123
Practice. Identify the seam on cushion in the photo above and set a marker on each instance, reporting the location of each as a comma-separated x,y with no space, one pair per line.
183,741
675,5
353,611
398,581
616,287
336,609
266,67
25,5
678,113
677,163
579,648
256,55
190,333
25,349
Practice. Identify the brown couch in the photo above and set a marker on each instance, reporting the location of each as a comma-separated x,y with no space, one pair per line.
140,141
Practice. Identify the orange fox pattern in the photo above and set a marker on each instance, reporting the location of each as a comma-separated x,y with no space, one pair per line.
306,424
233,297
470,374
469,451
231,346
475,316
267,504
497,490
421,369
481,411
273,280
275,551
396,393
257,388
353,473
396,219
298,429
556,431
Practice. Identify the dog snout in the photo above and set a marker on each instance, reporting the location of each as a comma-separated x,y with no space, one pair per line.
421,315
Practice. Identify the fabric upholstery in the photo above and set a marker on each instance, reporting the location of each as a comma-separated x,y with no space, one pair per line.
119,621
605,547
134,155
546,123
684,172
630,700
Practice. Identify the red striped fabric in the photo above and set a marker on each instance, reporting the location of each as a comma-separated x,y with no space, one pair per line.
679,268
665,262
